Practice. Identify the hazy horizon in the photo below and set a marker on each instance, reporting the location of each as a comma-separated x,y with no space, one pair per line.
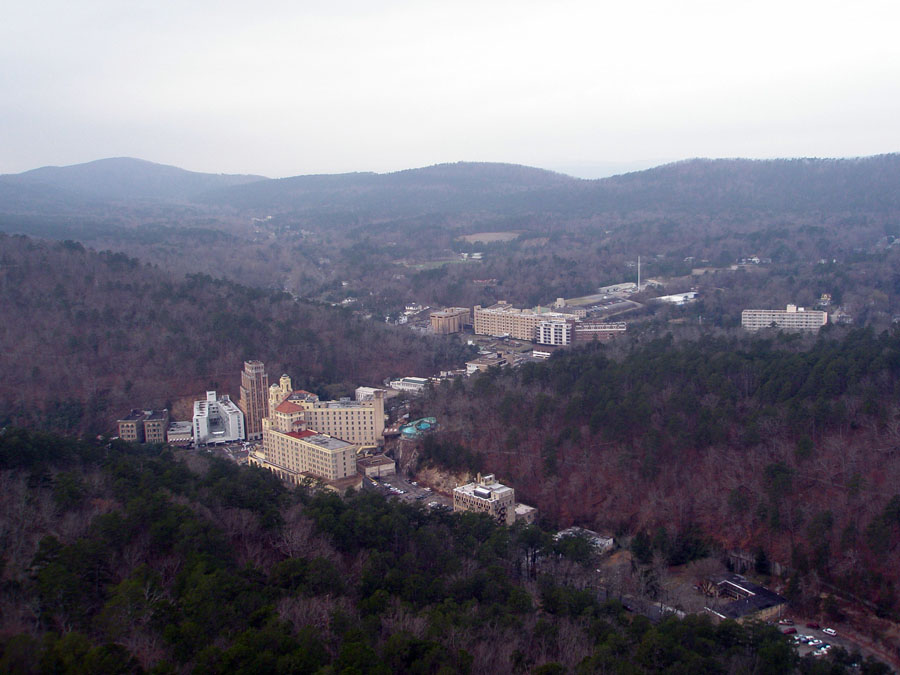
583,170
300,88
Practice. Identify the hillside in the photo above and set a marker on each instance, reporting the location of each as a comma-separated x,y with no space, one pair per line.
785,446
115,559
739,186
95,334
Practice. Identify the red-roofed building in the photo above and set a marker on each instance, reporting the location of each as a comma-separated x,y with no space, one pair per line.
358,422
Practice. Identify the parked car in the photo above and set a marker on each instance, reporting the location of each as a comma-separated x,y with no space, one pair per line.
813,624
829,631
790,631
786,622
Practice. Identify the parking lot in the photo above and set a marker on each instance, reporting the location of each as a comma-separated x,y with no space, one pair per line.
811,638
408,491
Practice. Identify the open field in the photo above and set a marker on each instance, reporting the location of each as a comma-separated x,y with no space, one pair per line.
488,237
586,300
435,264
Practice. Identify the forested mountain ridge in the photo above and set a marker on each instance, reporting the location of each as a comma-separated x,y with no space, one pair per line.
117,559
125,178
824,186
443,188
92,335
700,186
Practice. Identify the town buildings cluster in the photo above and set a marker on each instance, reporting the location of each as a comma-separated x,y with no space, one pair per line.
301,435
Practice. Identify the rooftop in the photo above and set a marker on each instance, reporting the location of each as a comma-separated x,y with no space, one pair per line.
180,427
287,407
757,598
343,403
486,490
596,539
374,460
302,395
327,442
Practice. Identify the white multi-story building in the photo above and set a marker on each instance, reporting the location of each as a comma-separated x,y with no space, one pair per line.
791,319
365,393
488,496
217,420
554,333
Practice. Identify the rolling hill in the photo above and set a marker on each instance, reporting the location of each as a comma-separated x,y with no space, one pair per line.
123,179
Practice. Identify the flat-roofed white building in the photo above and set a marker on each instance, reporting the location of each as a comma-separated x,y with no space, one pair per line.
488,496
554,333
217,420
414,385
792,318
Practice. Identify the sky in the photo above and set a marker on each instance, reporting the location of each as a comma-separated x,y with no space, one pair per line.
586,87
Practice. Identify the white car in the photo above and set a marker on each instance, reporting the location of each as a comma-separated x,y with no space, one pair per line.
829,631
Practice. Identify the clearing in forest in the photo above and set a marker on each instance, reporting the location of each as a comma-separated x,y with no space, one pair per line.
488,237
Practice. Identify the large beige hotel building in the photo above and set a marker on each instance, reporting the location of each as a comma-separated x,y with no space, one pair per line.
359,422
294,453
303,435
504,319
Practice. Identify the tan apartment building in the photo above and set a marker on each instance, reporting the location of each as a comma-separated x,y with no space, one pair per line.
521,324
488,496
358,422
793,319
295,453
254,397
144,426
450,320
131,427
156,425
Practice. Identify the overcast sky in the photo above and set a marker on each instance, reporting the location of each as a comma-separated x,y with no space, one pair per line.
295,87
